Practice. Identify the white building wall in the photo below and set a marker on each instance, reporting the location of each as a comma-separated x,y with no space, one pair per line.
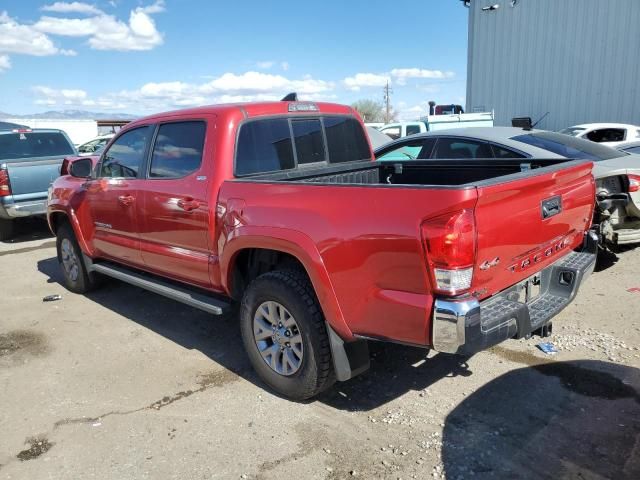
78,131
579,60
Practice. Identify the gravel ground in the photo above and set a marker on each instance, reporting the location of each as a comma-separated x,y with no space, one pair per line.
125,384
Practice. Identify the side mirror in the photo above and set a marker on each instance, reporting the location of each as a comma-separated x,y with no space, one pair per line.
81,168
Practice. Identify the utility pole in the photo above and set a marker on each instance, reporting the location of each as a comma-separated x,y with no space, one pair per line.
387,102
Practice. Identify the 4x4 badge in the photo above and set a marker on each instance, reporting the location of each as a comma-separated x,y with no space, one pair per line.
490,263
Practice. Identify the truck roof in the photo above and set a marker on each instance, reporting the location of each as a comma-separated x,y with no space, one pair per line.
249,110
24,129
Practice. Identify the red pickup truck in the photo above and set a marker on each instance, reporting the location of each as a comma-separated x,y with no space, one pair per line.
279,207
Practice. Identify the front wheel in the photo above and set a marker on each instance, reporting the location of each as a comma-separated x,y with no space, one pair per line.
285,336
77,277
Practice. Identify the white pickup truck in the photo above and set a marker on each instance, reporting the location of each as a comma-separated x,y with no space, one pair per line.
430,123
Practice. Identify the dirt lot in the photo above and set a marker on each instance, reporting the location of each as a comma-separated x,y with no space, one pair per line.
126,384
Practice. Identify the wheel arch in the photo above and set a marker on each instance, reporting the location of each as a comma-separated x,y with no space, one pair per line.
57,218
275,248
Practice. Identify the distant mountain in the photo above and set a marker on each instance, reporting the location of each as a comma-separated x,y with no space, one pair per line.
73,114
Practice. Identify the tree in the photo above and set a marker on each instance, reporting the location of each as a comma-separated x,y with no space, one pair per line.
369,110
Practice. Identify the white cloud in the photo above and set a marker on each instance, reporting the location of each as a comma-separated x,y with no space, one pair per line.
157,7
69,27
265,65
226,88
250,83
72,7
24,39
402,74
51,96
5,63
106,32
360,80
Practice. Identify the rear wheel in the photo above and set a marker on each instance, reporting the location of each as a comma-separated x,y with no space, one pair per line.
6,229
285,336
77,278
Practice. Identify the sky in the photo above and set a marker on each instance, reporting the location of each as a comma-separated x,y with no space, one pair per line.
146,56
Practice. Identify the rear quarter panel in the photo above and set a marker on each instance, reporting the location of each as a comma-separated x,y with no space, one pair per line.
367,240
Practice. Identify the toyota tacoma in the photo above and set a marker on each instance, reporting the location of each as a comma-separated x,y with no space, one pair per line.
280,208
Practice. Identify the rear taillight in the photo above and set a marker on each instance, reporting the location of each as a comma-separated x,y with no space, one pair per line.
450,244
634,183
5,186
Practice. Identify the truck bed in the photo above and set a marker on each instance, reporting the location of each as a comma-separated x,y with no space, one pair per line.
443,173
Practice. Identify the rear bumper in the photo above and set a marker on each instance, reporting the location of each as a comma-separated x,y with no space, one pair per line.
9,208
468,326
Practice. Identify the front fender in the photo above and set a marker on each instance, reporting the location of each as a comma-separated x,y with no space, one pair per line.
66,198
300,246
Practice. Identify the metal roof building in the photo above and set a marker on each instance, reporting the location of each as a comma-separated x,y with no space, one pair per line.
579,60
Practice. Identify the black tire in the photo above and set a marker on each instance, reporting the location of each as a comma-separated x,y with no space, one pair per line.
292,290
6,229
83,281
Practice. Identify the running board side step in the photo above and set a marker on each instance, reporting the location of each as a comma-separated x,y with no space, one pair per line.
166,289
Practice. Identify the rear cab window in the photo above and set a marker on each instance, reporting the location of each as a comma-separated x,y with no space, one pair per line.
285,143
34,144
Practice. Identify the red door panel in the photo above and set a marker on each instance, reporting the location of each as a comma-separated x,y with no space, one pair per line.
174,212
113,210
173,229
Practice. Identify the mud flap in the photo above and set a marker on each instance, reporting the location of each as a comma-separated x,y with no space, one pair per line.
349,359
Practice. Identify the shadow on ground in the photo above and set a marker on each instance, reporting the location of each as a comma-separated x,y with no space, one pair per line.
395,369
28,229
608,258
578,420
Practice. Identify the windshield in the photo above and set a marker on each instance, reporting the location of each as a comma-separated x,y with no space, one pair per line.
33,145
569,147
573,131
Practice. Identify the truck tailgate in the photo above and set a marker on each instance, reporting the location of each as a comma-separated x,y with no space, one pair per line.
527,223
33,177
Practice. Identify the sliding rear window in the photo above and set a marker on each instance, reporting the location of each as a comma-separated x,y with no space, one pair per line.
276,144
346,140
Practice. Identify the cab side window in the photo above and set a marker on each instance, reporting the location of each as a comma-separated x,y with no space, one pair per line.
177,151
413,129
125,157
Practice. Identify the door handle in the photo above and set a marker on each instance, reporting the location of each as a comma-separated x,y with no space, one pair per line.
188,204
126,200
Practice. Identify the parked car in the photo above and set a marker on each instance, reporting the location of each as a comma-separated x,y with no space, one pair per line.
29,161
610,134
617,173
377,138
279,207
633,147
95,145
439,121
